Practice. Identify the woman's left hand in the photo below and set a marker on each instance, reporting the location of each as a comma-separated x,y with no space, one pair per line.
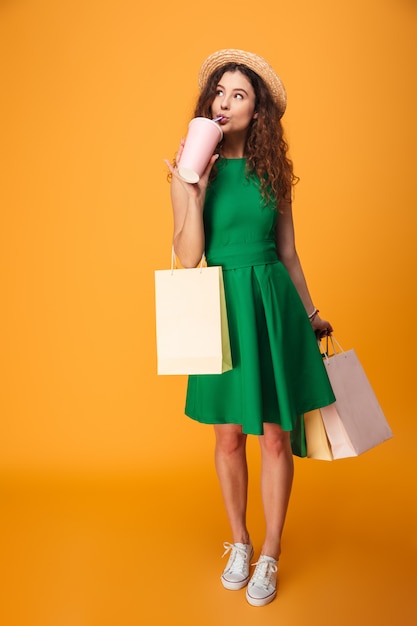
322,328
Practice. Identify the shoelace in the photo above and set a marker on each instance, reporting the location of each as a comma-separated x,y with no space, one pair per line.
263,573
238,556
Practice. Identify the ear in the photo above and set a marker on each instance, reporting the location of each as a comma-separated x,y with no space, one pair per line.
255,116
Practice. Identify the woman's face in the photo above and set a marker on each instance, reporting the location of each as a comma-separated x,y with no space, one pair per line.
235,101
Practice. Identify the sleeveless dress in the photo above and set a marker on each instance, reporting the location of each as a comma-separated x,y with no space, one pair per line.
278,372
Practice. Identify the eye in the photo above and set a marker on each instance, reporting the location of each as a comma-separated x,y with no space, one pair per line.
239,96
219,92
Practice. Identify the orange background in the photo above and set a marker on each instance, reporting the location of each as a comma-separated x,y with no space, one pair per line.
94,96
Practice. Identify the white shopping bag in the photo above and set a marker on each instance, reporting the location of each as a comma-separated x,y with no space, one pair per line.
354,423
192,333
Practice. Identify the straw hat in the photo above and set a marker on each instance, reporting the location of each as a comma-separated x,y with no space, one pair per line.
251,60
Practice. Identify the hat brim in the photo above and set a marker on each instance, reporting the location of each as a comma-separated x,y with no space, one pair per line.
254,62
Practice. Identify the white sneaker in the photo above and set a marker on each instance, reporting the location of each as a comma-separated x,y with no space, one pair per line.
262,588
236,573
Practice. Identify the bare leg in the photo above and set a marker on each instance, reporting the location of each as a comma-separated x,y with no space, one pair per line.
232,470
276,482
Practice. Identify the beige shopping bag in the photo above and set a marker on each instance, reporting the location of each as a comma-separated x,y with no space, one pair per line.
318,445
192,333
354,423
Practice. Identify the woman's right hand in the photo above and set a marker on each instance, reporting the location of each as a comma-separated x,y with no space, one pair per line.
194,190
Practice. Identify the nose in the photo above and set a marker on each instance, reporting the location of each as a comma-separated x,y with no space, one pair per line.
224,105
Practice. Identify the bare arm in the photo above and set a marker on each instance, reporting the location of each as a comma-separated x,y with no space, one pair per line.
287,253
188,205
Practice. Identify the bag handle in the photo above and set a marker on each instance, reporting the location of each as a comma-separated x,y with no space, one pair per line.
174,260
333,341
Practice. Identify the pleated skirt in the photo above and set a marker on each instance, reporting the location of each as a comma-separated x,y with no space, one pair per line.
278,372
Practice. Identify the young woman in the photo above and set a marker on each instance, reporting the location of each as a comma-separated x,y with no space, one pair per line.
240,214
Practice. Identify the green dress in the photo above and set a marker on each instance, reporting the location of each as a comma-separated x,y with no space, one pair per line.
278,373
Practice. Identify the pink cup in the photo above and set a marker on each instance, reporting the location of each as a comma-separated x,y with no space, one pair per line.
202,138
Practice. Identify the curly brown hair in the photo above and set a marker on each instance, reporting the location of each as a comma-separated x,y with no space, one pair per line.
266,148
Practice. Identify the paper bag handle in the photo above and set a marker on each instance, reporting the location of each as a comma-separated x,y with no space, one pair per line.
333,341
174,260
